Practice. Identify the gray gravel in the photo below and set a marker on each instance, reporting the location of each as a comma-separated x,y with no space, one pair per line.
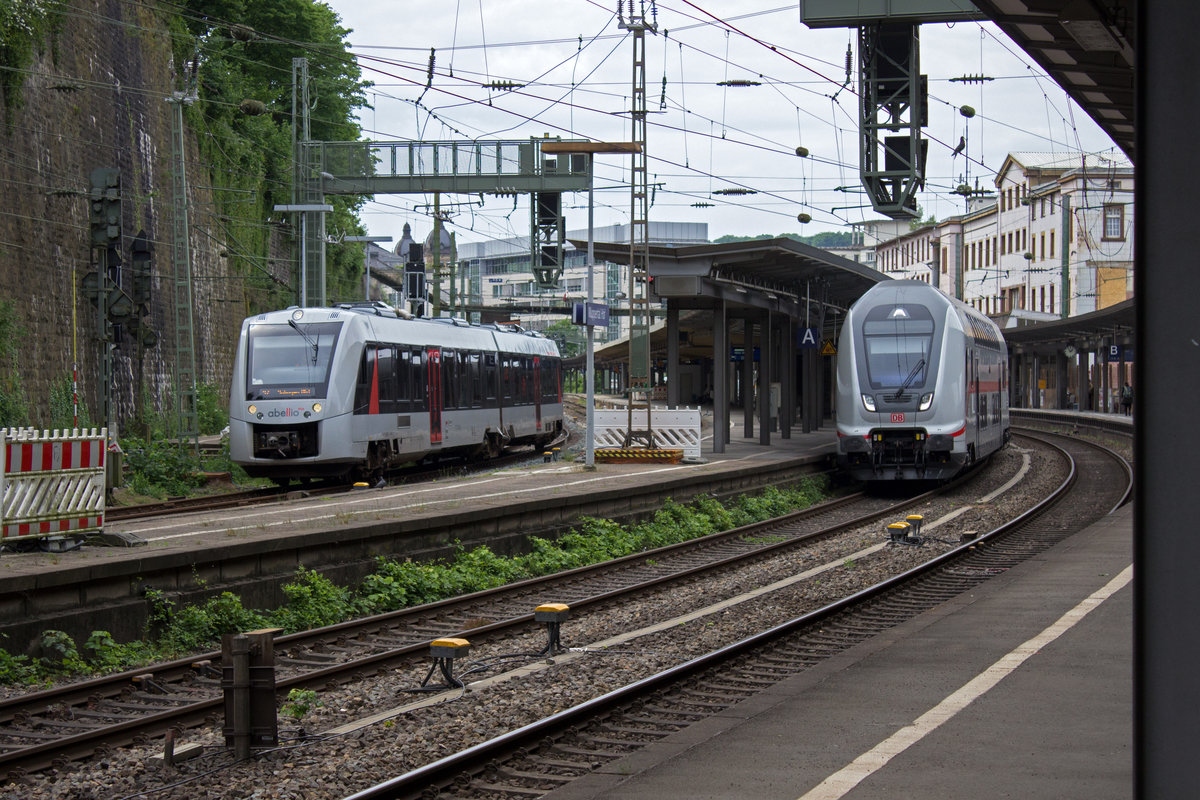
336,766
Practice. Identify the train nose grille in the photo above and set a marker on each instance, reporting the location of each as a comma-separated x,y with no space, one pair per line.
290,441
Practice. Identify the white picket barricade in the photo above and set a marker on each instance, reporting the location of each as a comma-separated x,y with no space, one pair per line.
51,484
677,428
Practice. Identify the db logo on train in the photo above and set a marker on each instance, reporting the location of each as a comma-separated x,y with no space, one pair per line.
898,416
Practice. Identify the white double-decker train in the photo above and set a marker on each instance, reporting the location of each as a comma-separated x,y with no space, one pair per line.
352,390
922,385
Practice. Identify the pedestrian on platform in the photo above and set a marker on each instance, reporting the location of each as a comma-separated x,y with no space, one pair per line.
1126,399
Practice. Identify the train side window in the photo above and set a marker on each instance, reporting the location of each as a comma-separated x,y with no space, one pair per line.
507,379
550,368
449,379
420,378
386,363
526,381
403,380
490,375
475,379
464,379
362,388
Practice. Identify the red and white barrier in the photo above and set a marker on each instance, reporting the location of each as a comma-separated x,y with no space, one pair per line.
676,428
51,484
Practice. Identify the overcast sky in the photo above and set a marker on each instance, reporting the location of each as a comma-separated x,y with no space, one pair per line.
574,64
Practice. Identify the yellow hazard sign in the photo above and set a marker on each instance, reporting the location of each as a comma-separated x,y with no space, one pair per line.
827,348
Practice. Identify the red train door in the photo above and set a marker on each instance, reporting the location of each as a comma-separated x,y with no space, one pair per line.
537,391
434,358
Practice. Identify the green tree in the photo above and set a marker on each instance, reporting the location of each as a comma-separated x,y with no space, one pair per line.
244,122
568,336
822,239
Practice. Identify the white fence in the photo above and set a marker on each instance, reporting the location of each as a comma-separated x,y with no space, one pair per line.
677,428
51,484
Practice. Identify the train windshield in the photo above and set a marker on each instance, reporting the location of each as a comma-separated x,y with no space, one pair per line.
898,342
290,362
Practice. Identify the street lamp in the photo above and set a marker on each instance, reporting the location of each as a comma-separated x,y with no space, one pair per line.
590,149
366,259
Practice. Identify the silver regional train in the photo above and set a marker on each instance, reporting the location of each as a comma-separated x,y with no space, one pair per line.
922,385
353,390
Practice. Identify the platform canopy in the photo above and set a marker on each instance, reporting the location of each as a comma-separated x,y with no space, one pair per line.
764,273
1084,332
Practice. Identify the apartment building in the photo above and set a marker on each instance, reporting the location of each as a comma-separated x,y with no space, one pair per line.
1054,240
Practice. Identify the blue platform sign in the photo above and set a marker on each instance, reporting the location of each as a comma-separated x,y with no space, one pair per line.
808,337
594,314
739,354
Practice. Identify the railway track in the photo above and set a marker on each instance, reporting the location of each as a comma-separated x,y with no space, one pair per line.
540,757
65,723
274,494
70,722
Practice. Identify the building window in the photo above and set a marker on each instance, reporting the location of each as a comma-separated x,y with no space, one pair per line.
1052,246
1114,222
1042,239
1052,287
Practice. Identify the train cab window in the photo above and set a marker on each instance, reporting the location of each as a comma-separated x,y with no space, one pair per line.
290,362
898,341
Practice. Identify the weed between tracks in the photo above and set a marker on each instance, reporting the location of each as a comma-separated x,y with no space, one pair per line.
312,601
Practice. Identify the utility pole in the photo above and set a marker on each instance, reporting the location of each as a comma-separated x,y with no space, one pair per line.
437,254
187,419
639,230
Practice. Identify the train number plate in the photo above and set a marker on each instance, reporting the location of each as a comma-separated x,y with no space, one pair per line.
898,416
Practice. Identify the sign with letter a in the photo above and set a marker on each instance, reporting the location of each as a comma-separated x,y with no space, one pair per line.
807,337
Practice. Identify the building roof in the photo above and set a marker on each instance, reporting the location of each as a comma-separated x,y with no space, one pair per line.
1088,49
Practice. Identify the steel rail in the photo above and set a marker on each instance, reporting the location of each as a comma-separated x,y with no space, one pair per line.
42,755
442,773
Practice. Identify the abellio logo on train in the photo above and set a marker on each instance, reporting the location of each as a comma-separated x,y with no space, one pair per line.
285,412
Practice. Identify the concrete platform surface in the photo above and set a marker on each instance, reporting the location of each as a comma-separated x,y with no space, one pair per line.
1021,688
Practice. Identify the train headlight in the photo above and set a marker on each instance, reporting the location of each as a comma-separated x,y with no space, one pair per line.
926,402
297,315
317,408
868,402
253,409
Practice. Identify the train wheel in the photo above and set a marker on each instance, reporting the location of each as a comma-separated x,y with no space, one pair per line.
495,447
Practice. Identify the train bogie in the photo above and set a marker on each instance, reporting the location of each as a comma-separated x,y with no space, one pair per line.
922,385
353,390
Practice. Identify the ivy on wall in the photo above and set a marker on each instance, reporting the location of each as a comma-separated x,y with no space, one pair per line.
25,25
243,76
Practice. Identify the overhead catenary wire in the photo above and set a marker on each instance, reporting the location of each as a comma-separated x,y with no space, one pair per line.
685,129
